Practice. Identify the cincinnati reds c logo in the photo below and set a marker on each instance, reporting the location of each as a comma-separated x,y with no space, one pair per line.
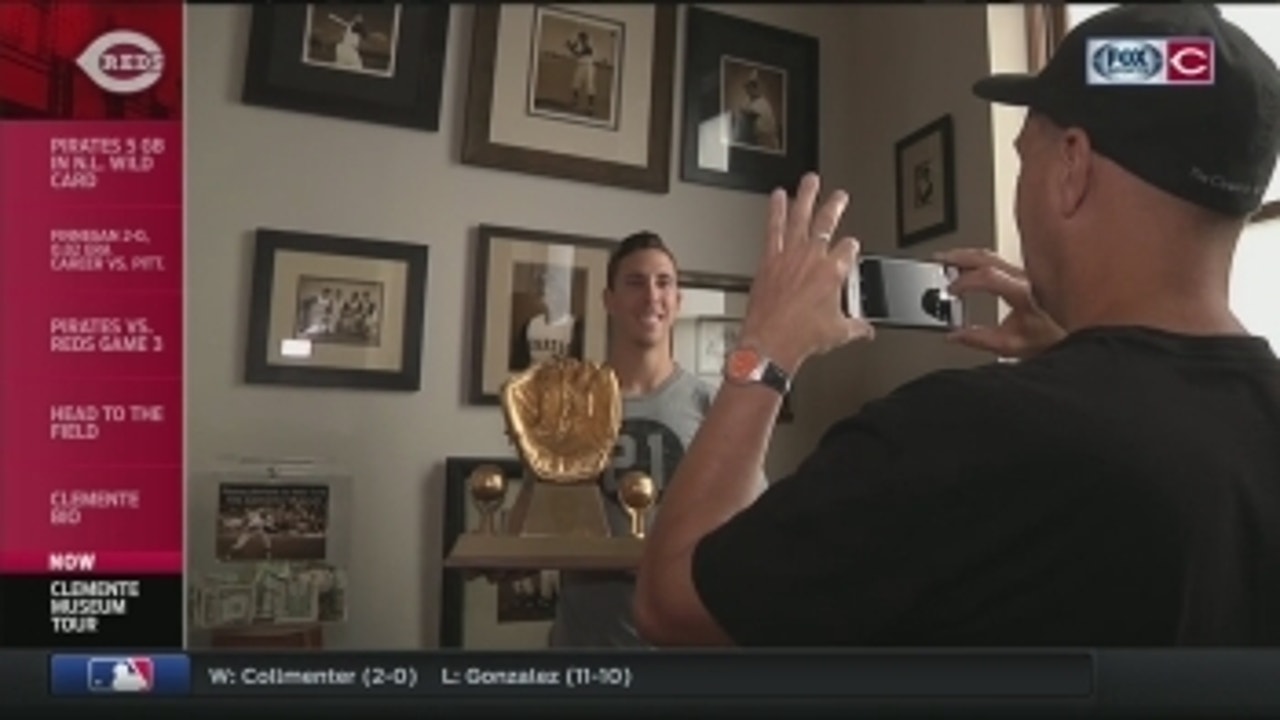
1190,61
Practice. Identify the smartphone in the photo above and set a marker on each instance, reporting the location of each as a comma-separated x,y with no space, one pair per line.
903,293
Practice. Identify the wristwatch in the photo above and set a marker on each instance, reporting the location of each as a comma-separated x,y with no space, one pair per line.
746,365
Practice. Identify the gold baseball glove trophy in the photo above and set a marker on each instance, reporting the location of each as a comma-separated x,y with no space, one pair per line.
563,415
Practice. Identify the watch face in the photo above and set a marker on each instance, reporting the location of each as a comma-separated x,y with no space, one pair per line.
741,363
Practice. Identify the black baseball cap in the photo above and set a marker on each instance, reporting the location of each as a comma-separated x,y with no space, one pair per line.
1211,143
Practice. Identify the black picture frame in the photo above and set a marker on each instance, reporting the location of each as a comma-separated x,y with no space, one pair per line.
922,151
284,70
719,49
499,251
453,581
275,314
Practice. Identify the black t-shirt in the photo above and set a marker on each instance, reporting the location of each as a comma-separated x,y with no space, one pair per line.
1121,489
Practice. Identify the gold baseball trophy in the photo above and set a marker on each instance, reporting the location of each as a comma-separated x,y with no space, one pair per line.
563,415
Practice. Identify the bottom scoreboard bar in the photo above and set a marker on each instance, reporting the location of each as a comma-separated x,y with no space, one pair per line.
68,611
651,674
1155,683
565,676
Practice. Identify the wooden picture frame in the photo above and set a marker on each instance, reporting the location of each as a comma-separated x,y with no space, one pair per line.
387,69
527,105
306,330
750,104
716,298
517,619
519,275
925,177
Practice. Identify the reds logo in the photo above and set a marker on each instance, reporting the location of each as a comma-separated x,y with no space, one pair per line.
1191,61
123,62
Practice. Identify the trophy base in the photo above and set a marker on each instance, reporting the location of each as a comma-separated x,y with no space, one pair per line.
545,509
508,552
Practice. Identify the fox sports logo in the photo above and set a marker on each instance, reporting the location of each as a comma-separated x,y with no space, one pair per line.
1127,61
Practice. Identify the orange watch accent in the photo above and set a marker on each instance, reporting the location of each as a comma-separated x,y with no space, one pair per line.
746,364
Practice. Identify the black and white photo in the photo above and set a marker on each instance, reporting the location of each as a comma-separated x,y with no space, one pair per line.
576,69
352,37
338,310
272,522
753,97
548,308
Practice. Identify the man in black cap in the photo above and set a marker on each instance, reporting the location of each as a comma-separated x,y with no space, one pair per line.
1119,486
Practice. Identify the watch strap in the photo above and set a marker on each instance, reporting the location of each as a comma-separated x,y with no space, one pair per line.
764,371
775,377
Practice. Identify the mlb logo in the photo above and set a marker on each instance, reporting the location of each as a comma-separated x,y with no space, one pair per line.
1149,61
121,675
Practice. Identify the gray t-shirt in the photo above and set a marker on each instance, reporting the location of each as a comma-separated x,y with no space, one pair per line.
594,609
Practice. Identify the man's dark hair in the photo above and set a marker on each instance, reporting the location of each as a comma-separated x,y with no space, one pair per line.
634,243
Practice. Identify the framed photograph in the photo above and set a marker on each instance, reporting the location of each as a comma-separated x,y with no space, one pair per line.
378,63
514,614
925,173
579,92
710,318
284,521
336,312
750,104
715,338
537,295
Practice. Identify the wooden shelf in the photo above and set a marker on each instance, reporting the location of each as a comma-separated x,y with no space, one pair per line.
270,636
481,551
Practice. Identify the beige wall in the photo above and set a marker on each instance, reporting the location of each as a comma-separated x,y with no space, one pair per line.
907,66
885,71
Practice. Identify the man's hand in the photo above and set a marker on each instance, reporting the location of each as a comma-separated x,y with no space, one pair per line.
1027,330
794,309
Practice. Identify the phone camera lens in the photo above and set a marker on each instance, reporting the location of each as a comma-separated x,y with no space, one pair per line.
937,305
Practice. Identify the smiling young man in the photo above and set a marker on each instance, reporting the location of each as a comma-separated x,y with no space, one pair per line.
662,407
1119,486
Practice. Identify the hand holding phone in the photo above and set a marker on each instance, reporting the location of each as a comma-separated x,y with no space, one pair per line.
904,293
1026,330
